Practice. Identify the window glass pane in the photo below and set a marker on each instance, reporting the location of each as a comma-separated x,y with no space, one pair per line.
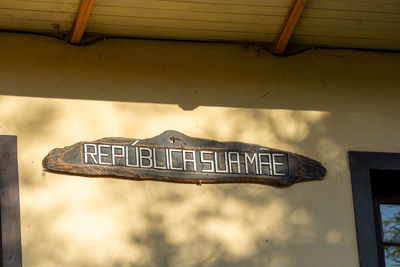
390,215
392,256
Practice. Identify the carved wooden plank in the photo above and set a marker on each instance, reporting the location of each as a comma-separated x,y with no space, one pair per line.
175,157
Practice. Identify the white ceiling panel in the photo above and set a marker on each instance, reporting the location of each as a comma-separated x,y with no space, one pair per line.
49,16
344,23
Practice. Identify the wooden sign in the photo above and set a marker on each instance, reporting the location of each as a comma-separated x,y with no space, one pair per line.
175,157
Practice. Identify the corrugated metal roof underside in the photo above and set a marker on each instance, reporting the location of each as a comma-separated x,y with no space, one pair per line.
344,23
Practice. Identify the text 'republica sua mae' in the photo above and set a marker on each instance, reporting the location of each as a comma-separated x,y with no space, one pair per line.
228,161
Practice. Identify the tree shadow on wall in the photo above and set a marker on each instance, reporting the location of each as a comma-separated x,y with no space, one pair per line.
73,221
76,221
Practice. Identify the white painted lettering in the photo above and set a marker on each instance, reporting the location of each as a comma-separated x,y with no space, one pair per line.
136,158
267,163
144,157
171,160
192,160
216,162
91,154
101,155
275,163
167,157
252,161
232,161
114,155
203,160
155,161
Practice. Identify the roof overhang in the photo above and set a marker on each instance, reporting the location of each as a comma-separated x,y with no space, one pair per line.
367,24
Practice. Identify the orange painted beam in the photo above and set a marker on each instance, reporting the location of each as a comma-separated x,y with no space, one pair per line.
288,26
81,20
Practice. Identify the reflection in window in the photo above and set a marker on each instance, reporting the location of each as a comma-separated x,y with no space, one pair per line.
390,219
392,258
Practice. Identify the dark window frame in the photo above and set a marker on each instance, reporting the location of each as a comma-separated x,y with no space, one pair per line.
385,190
361,166
11,254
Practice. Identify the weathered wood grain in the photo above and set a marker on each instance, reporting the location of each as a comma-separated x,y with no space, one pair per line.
175,157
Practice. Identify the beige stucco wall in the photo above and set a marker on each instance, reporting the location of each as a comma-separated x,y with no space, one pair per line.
320,104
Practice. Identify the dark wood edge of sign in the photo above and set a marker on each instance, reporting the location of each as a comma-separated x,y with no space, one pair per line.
162,178
11,251
56,162
361,165
195,181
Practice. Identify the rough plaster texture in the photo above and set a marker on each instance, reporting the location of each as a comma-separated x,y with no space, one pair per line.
320,104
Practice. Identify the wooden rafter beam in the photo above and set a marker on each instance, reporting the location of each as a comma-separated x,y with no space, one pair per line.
288,26
81,20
